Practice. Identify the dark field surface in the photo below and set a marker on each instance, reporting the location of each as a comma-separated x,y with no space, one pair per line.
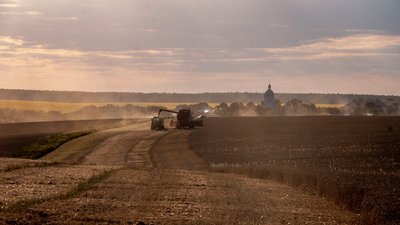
14,137
354,161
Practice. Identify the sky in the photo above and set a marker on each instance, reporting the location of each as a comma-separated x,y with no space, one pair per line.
192,46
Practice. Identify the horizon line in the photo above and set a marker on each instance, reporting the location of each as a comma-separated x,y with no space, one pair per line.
196,93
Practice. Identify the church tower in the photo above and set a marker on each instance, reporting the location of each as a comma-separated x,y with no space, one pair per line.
269,98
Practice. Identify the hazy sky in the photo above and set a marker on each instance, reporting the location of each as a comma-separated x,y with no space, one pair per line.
341,46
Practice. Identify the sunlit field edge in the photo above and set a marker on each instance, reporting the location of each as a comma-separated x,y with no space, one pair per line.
72,107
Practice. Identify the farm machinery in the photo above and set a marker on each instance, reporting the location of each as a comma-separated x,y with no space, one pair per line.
184,119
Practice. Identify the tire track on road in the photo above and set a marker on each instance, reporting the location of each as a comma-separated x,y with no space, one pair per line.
172,151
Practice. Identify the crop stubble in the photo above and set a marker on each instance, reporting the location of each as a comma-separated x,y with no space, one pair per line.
32,183
354,161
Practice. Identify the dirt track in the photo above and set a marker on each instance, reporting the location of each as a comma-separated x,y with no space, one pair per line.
157,179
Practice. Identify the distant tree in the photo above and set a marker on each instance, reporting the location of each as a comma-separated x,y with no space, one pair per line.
251,105
293,106
278,108
221,109
235,108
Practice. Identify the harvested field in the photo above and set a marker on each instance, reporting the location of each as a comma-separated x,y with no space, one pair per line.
132,174
182,197
25,184
354,161
14,137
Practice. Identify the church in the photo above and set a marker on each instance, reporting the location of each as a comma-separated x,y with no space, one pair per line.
269,98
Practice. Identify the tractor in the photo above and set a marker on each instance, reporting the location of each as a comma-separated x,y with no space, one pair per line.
157,123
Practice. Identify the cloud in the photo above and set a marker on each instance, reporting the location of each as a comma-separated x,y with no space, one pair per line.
349,46
11,41
9,5
38,14
355,47
62,18
34,13
194,46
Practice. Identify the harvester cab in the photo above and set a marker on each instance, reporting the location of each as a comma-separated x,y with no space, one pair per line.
157,123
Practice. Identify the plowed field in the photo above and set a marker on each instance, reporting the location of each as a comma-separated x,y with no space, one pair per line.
354,161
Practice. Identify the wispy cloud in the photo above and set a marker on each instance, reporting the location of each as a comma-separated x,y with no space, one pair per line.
344,47
348,46
9,3
27,13
62,18
324,58
34,13
11,41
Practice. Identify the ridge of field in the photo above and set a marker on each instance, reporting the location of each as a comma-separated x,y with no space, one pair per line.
353,161
65,107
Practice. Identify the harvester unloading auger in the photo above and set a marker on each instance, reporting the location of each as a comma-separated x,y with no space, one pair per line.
184,118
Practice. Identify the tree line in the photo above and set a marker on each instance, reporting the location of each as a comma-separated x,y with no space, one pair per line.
293,107
109,97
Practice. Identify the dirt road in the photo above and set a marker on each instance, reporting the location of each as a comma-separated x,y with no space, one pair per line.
155,178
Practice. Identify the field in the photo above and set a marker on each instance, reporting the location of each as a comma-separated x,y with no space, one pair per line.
17,136
243,170
72,107
353,161
330,105
132,175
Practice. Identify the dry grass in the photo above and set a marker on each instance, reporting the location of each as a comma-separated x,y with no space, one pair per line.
72,107
49,143
330,105
13,167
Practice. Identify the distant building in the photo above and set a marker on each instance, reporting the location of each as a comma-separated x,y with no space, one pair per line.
269,98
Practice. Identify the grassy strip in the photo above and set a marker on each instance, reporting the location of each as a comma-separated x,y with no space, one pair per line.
51,142
14,167
81,187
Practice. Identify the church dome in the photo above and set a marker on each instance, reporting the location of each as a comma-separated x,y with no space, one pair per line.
269,98
269,93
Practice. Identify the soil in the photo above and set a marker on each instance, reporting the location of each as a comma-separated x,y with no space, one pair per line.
353,161
155,179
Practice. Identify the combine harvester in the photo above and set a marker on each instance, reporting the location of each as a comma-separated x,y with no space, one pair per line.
184,118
